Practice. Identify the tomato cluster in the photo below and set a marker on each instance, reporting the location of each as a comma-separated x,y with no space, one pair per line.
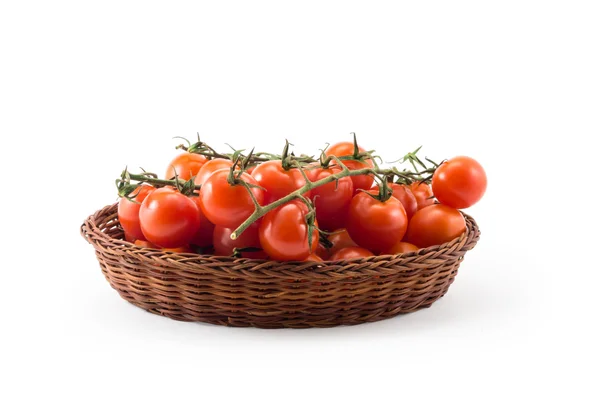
287,208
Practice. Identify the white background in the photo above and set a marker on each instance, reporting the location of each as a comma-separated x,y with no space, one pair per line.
87,88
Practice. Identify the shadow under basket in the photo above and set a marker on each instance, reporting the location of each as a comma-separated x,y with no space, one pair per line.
269,294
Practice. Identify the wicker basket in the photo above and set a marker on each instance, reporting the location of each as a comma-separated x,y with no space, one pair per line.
269,294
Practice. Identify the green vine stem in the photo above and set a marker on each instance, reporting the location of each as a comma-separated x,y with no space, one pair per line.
261,210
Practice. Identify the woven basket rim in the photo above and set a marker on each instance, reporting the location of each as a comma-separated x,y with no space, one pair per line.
94,234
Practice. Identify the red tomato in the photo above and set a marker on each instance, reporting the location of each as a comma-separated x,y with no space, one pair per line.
400,248
129,213
403,194
204,235
423,194
352,253
283,232
376,225
186,165
362,182
181,250
313,258
435,225
227,205
331,202
459,182
209,167
340,239
224,245
277,181
322,252
168,218
144,244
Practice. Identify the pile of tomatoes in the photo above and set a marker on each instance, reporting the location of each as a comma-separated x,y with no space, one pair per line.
351,216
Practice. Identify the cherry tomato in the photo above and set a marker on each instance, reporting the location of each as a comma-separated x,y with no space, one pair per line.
180,250
277,181
435,225
400,248
227,205
204,235
186,165
362,182
459,182
128,237
144,244
404,195
331,201
283,232
423,194
224,245
209,167
129,213
313,258
322,252
352,253
376,225
168,218
340,239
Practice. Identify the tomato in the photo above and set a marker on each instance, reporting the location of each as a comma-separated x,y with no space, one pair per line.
459,182
435,225
352,253
322,252
144,244
376,225
180,250
209,167
400,248
283,232
128,237
340,239
362,182
313,258
224,245
331,201
422,193
129,213
277,181
168,218
204,235
186,165
404,195
227,205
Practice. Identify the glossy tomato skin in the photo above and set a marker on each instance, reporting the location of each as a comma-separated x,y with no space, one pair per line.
204,236
376,225
435,225
351,253
459,182
403,194
362,182
227,205
224,245
331,202
400,248
277,181
186,165
129,213
283,232
168,218
423,194
313,258
144,244
340,239
211,166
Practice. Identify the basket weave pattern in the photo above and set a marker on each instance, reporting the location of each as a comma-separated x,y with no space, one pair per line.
270,294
